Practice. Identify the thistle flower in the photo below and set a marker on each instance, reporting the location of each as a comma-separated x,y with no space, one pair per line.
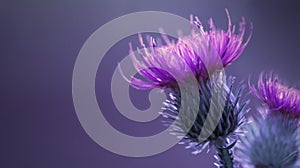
277,96
199,54
271,142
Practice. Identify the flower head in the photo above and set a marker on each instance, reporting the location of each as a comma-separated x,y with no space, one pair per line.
277,96
197,55
213,116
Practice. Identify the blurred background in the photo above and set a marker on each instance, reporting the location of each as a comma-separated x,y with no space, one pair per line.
40,41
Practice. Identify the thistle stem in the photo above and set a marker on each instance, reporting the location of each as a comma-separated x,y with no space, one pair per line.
225,157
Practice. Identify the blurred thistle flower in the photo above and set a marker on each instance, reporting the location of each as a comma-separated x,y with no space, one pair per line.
271,142
277,96
199,54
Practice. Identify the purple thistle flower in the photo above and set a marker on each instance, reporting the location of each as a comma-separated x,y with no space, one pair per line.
198,54
278,97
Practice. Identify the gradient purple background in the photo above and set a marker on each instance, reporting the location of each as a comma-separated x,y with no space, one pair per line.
40,41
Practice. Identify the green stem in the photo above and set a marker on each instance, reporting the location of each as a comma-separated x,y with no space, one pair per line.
225,157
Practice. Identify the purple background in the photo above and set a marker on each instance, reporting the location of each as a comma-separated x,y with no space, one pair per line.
40,41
